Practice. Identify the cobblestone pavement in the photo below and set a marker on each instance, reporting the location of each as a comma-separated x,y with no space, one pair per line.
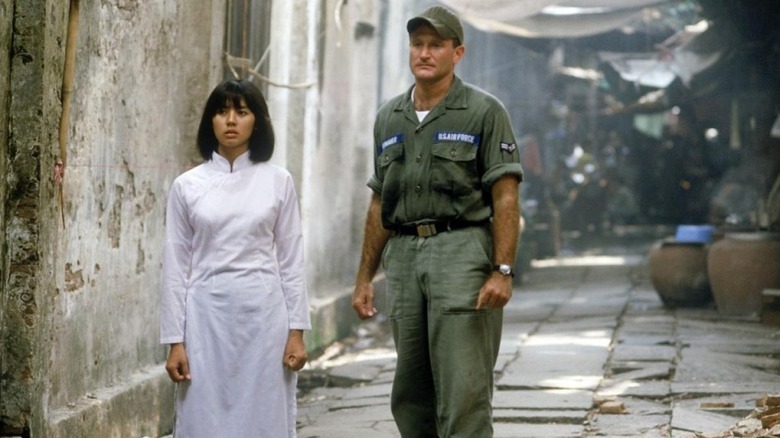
587,350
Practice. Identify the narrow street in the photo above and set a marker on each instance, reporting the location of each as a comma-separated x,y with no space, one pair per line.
588,350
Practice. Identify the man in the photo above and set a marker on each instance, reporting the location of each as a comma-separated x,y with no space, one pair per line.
445,213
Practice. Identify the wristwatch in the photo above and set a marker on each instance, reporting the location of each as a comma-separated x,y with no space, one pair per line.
505,270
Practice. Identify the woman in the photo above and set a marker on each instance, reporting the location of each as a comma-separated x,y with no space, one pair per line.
234,302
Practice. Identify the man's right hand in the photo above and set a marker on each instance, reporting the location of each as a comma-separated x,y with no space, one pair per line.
177,365
363,300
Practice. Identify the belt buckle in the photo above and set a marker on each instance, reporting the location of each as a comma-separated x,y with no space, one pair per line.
426,230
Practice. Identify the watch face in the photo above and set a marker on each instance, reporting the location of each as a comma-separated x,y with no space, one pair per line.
505,269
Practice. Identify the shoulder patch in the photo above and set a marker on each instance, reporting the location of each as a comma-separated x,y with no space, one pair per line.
508,147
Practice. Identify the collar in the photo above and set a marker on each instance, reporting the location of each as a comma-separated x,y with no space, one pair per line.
223,165
455,98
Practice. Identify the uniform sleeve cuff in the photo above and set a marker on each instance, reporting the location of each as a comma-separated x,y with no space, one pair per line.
496,172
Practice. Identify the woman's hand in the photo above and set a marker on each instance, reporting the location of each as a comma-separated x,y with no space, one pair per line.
295,355
177,365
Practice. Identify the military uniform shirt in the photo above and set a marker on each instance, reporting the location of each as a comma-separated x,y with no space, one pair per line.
442,168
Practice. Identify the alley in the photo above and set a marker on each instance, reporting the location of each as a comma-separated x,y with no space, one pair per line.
588,350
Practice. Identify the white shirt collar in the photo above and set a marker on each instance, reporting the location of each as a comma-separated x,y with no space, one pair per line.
223,165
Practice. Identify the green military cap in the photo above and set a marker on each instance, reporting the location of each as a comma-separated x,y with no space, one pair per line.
446,23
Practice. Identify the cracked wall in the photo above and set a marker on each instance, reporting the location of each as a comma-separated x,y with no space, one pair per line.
79,350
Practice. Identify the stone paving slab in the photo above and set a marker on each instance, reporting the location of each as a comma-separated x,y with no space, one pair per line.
568,367
629,425
654,389
367,391
541,379
539,416
725,367
351,403
582,325
522,430
355,417
740,404
626,352
705,388
568,341
554,399
355,372
502,361
375,431
638,406
645,337
696,420
641,371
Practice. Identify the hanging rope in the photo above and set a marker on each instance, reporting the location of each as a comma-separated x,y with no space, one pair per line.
67,90
233,61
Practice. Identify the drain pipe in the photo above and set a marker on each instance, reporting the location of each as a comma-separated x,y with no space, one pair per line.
67,90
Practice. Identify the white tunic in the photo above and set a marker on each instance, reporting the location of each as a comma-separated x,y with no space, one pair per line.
233,287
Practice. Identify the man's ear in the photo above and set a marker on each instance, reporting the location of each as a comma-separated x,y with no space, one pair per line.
459,52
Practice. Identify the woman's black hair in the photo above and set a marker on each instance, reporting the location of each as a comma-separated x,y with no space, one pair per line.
261,143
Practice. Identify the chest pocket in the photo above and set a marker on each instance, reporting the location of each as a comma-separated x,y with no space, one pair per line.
389,170
390,155
454,168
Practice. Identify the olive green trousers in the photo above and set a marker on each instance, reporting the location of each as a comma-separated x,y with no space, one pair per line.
447,349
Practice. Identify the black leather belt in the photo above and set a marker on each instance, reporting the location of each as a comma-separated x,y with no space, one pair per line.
433,228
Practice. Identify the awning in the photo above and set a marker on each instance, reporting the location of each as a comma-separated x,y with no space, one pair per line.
682,58
549,18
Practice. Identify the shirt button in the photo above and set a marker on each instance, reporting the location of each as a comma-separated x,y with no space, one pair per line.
453,153
417,188
419,158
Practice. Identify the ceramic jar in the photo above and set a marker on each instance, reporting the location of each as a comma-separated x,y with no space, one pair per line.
741,265
678,271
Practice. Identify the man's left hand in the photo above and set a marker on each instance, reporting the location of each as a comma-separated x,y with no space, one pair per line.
496,292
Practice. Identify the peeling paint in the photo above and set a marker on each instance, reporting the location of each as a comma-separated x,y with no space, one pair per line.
73,280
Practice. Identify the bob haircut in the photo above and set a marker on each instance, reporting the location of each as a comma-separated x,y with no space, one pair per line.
261,143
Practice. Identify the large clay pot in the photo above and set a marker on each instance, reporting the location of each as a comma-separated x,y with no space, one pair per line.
678,271
741,266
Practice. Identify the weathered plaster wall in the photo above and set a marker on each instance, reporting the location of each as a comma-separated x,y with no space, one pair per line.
339,168
144,71
78,321
6,8
32,112
80,353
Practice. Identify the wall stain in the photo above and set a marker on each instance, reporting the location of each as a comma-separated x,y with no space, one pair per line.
115,217
73,280
141,258
147,201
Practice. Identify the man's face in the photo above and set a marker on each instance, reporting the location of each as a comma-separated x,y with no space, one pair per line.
431,57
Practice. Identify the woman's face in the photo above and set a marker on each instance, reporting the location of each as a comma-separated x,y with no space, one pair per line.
233,127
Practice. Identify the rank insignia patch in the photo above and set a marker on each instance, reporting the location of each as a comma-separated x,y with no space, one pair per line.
508,147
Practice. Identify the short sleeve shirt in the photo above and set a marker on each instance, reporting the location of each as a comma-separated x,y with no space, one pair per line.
443,167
